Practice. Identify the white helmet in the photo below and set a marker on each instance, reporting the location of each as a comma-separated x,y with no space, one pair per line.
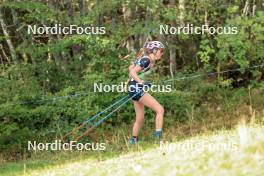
154,45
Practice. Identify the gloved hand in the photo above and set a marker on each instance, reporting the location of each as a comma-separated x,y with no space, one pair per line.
146,86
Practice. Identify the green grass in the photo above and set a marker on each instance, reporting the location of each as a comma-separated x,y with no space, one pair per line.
239,151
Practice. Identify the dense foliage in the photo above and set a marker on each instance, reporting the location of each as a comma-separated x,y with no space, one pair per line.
47,80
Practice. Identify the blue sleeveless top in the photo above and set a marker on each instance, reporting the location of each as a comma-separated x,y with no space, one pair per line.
144,63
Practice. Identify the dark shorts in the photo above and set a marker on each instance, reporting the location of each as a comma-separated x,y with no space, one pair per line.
135,91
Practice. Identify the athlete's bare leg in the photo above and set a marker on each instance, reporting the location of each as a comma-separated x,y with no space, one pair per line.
139,109
152,103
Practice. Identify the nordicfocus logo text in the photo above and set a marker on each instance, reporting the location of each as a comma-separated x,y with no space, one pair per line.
191,29
58,145
122,87
58,29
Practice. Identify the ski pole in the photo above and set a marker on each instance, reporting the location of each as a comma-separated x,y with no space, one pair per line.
97,115
94,117
103,119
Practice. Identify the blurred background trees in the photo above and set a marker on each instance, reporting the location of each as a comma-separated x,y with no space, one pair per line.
36,69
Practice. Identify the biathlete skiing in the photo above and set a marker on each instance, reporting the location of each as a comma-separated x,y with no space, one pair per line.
151,52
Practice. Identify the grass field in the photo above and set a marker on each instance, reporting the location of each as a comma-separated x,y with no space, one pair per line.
239,151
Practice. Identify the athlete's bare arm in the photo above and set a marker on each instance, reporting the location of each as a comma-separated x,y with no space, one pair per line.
132,65
133,73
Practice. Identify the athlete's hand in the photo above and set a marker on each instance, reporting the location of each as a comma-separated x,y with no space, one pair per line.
146,85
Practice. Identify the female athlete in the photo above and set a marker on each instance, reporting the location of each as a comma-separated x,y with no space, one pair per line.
153,51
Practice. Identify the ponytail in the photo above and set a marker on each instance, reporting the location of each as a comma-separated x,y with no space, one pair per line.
144,50
139,53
